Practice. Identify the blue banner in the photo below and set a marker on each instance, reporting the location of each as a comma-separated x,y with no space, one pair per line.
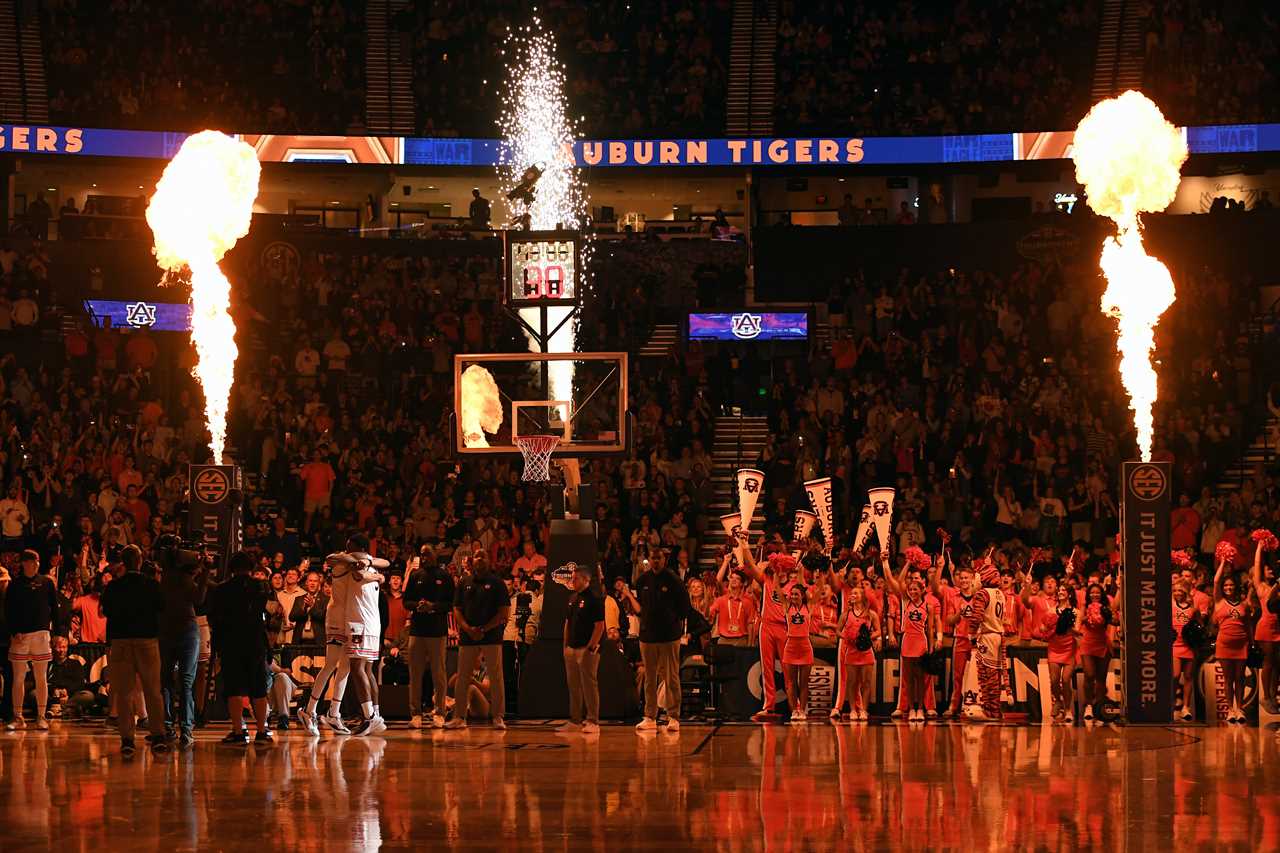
749,326
140,314
788,151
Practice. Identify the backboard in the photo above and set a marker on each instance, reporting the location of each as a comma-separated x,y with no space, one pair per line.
580,397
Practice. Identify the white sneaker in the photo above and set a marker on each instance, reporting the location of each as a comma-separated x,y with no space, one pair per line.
16,724
834,715
590,728
437,721
862,715
897,712
415,722
569,726
455,724
931,713
375,725
308,721
673,725
1070,718
335,724
500,724
41,723
1088,714
1187,716
648,724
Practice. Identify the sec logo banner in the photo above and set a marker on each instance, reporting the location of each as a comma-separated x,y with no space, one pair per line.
1147,482
211,486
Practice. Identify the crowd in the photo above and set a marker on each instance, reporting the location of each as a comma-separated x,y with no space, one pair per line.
287,66
1211,61
990,402
961,68
632,69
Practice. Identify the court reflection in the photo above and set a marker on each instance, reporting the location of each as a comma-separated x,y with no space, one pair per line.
731,789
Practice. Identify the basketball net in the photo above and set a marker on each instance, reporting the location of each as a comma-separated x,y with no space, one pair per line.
537,450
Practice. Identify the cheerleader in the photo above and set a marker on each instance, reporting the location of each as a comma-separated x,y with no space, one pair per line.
860,641
1230,613
1184,656
1058,628
797,653
1095,648
1266,600
919,627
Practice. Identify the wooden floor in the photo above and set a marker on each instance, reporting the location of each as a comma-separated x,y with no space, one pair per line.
797,787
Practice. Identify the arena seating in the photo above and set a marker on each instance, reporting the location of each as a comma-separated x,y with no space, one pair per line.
287,65
933,68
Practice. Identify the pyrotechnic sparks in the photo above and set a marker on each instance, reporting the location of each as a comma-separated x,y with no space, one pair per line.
537,132
1129,159
203,204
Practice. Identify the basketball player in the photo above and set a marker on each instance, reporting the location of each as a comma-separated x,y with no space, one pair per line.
776,583
30,605
364,626
336,662
986,625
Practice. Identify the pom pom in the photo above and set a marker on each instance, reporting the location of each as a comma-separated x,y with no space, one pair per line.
1225,552
1267,538
781,562
917,558
1066,621
1182,560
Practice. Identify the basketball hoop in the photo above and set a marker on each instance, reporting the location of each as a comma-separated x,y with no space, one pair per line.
537,450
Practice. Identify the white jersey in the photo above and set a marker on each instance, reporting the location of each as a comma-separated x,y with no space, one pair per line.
362,601
993,616
335,614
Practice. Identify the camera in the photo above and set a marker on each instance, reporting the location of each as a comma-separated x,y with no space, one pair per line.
174,552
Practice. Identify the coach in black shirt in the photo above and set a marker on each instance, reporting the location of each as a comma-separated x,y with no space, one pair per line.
661,600
238,617
428,597
481,608
132,605
583,627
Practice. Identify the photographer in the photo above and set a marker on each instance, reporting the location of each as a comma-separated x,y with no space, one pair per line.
183,586
237,615
132,604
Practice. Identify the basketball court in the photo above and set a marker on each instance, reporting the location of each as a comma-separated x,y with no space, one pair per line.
733,787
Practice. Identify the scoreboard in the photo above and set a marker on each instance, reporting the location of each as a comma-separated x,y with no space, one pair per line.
542,268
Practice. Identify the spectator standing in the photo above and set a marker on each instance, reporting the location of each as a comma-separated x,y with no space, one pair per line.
38,215
237,615
14,517
429,598
183,589
583,627
29,605
479,211
317,479
481,609
132,604
661,600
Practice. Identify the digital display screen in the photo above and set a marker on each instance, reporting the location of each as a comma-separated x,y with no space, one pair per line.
749,326
140,314
543,270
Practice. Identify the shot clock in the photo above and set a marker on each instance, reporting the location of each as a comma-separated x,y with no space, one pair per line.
542,268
